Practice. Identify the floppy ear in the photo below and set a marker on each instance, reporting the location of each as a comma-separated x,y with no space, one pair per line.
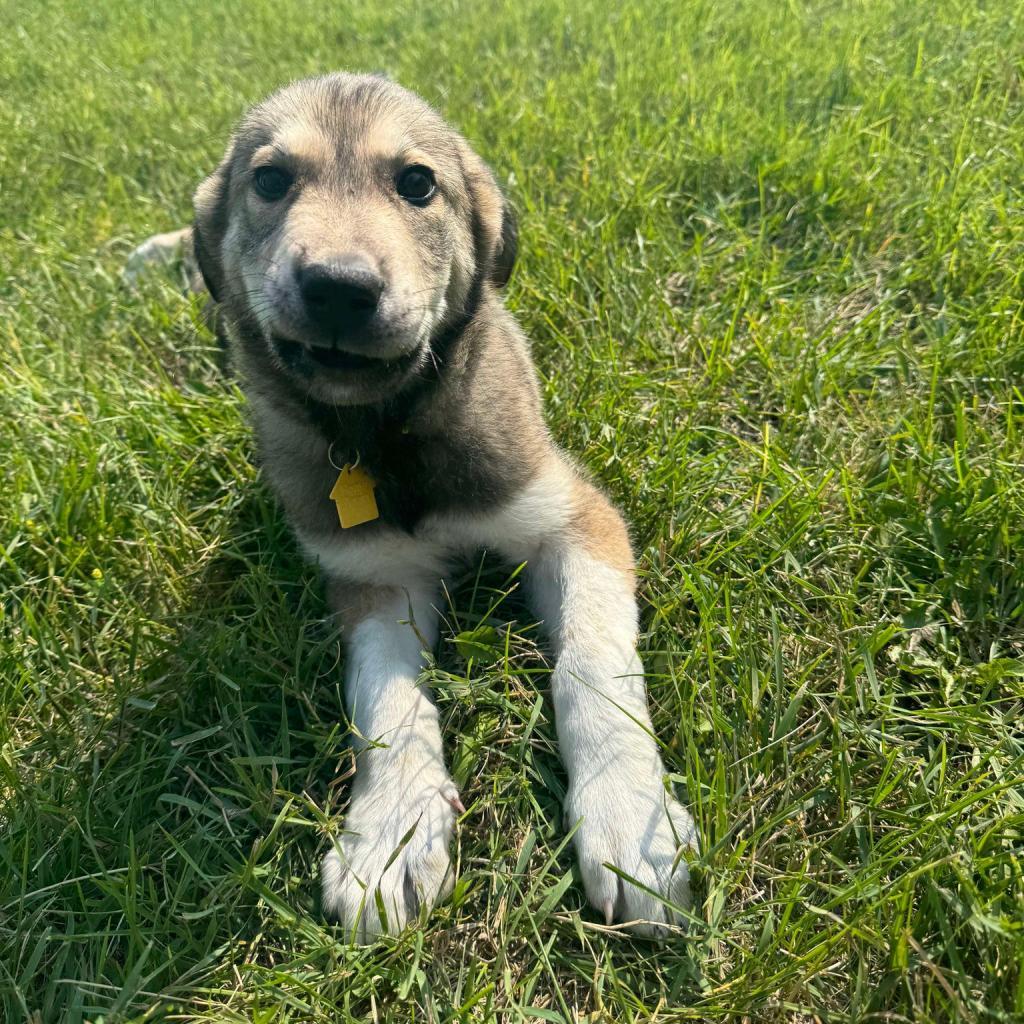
508,245
211,223
494,221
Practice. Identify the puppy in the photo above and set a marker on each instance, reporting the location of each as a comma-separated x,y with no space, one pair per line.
356,246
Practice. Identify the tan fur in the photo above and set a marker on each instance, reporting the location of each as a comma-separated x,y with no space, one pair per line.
383,139
300,142
600,529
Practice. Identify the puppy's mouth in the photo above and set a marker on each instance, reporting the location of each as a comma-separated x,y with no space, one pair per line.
337,362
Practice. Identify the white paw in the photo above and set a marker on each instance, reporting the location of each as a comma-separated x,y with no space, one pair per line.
393,856
637,826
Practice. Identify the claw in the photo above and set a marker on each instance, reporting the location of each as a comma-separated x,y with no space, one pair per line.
453,799
609,912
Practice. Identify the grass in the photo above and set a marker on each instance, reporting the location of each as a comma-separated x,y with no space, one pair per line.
772,261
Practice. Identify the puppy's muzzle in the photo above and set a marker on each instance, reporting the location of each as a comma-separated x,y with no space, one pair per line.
340,296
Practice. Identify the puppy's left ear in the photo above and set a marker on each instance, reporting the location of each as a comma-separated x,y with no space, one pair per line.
494,221
211,206
508,245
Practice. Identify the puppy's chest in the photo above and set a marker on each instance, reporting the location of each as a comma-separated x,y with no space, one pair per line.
414,477
437,499
426,507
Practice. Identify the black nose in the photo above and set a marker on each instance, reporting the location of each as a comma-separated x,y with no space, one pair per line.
340,296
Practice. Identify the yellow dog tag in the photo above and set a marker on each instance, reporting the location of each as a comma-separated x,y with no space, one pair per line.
353,494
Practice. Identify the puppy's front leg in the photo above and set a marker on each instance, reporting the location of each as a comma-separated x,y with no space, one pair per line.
582,583
393,855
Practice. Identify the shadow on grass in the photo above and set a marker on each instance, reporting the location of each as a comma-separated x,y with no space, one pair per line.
176,847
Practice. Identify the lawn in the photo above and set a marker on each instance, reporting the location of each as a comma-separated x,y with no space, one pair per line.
771,261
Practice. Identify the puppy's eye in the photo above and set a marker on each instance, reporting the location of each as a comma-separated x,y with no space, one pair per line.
416,183
271,182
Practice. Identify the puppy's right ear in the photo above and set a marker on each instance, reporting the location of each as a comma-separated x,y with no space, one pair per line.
211,224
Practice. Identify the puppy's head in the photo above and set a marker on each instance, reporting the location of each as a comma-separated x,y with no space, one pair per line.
346,229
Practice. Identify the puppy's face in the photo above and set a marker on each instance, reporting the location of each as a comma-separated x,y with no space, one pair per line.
347,228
